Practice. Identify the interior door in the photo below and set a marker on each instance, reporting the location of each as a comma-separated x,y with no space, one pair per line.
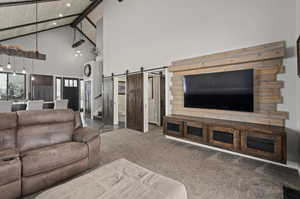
71,92
135,102
108,101
87,99
162,97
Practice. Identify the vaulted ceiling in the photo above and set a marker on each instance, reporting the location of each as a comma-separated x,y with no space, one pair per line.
18,17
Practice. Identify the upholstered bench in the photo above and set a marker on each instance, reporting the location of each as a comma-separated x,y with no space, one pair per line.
120,179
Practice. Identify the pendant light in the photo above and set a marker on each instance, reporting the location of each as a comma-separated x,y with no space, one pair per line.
8,64
24,69
32,76
1,66
14,72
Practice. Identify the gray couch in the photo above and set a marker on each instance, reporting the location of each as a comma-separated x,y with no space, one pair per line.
39,149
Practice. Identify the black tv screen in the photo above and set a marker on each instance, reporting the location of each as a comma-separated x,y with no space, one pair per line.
224,90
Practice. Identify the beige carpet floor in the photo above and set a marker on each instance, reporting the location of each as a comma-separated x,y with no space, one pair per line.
207,174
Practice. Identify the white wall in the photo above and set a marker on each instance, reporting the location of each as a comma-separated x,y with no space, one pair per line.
57,44
154,33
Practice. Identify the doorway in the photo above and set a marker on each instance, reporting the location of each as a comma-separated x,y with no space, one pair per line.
156,97
71,92
121,100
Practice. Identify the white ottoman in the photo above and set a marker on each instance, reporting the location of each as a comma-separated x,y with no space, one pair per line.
120,179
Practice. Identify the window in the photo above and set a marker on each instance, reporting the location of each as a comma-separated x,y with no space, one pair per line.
3,86
12,87
58,88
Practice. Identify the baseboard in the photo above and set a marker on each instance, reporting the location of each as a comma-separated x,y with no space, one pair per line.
231,152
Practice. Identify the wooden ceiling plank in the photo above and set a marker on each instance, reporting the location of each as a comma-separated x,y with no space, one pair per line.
39,22
85,13
34,32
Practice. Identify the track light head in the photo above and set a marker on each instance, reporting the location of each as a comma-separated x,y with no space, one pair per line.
78,43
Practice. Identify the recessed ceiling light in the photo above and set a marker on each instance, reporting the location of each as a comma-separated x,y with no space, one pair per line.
78,51
54,23
68,4
60,15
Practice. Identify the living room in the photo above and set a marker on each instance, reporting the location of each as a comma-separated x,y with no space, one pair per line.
149,99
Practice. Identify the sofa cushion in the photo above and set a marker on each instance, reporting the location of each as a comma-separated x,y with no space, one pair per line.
10,171
52,157
8,126
36,136
35,117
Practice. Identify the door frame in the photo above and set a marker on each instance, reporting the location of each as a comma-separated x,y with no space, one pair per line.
78,87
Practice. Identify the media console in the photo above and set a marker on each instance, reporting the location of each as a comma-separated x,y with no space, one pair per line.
262,141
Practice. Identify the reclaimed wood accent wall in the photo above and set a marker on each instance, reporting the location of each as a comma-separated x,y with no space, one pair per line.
267,62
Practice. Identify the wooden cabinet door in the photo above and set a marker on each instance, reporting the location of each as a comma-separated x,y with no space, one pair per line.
263,145
196,132
224,137
173,127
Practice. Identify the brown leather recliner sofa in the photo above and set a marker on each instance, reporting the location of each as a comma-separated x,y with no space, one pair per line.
39,149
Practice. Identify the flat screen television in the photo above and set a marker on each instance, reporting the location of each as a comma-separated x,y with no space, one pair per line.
223,90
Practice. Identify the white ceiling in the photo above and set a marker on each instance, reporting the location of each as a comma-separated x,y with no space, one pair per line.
24,14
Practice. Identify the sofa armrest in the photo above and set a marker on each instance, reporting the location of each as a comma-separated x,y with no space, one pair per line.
85,134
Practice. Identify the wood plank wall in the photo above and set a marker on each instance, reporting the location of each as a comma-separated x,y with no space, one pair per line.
267,62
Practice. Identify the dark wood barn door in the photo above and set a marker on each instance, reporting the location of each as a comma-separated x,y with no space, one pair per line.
71,92
108,101
135,102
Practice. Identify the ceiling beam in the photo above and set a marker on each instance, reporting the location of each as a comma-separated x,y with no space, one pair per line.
91,22
85,36
24,35
39,22
19,3
85,13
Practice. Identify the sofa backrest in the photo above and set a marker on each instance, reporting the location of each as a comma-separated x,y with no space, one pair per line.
8,130
39,128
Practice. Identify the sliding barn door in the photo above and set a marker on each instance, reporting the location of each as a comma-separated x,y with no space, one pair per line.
135,102
108,101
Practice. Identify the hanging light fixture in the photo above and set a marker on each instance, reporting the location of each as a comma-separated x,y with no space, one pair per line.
1,66
24,69
8,64
81,41
32,77
14,72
